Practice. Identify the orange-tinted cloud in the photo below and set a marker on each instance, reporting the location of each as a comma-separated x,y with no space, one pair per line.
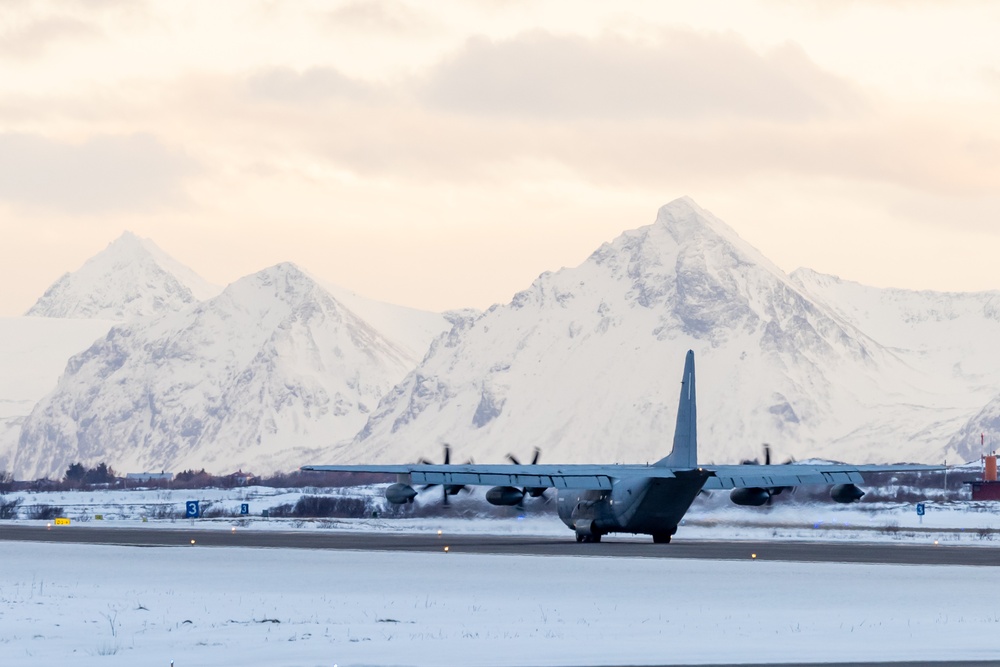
380,16
34,38
106,173
686,75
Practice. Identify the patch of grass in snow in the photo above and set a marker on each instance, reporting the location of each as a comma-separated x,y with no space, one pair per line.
108,649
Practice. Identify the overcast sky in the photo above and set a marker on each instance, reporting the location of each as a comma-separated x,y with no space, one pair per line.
443,154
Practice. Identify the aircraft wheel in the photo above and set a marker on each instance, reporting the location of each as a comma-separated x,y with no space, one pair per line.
661,538
595,538
579,537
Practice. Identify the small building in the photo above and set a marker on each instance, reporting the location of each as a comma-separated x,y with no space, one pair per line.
240,478
136,478
988,488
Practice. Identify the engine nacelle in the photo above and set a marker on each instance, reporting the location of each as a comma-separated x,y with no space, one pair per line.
846,493
400,494
753,496
504,495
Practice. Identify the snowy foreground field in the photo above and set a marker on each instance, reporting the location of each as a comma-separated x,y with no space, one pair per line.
102,605
193,605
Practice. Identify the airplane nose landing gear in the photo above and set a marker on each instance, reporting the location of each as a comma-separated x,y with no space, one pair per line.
580,537
587,532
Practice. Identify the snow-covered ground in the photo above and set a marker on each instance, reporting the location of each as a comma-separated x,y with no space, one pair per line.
103,606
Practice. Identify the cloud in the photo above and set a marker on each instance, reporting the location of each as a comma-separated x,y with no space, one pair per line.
33,39
106,173
384,132
686,75
380,16
283,84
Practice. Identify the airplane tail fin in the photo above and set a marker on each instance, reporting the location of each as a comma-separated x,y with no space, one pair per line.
685,451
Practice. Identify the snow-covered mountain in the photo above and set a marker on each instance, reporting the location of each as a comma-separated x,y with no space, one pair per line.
271,367
130,278
951,336
278,370
586,363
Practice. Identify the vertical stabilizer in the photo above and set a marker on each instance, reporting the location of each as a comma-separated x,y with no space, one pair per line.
685,451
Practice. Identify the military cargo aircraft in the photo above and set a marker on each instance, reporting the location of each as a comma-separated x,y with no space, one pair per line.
650,499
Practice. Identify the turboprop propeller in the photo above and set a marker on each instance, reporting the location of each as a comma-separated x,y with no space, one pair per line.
533,491
446,489
513,496
402,494
755,496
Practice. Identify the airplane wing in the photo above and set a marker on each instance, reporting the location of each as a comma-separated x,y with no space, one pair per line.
536,475
769,476
600,477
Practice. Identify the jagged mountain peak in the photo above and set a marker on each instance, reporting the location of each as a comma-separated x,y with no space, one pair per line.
684,238
272,364
274,293
701,278
699,232
286,280
132,277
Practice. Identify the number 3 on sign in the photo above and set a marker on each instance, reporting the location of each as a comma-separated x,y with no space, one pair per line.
193,510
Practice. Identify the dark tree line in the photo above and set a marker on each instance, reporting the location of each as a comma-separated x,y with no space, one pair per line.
79,476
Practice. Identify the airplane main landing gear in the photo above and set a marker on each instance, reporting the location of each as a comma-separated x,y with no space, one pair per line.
664,537
580,537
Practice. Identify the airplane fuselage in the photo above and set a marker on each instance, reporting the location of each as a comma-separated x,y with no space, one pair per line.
651,506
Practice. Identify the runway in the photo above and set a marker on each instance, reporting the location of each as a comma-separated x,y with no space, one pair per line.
815,552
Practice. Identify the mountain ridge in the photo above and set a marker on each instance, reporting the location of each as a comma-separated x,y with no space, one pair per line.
277,370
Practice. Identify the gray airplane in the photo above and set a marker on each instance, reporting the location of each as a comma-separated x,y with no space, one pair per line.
650,499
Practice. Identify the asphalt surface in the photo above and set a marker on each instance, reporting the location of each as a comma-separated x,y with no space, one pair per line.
810,552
